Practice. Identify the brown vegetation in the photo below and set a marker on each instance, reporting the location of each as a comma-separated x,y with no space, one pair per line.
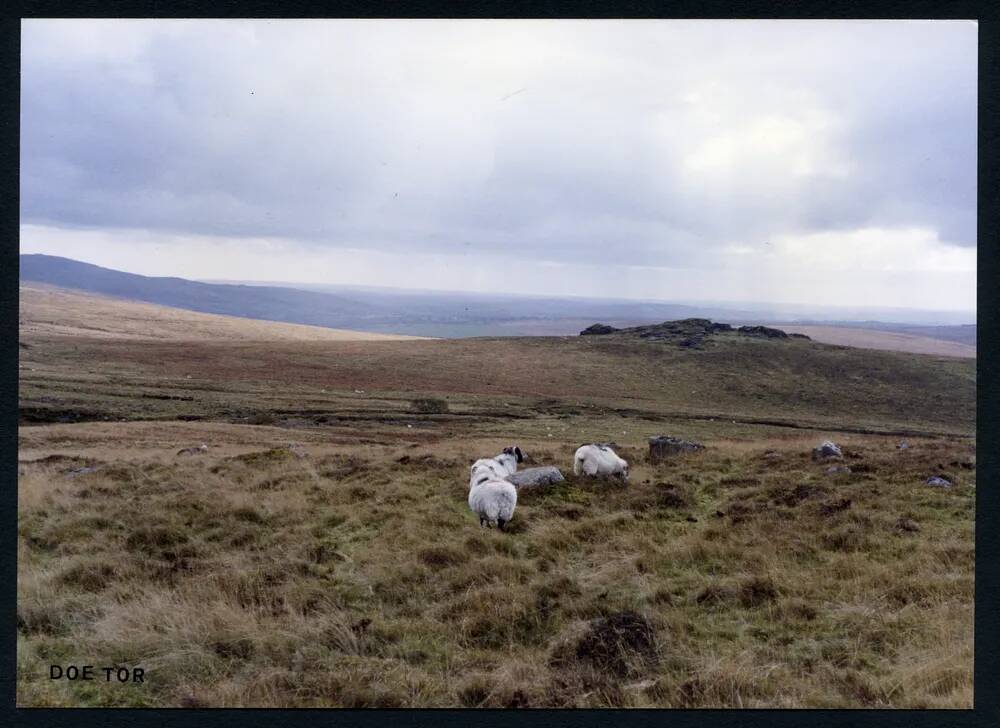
348,578
52,311
320,551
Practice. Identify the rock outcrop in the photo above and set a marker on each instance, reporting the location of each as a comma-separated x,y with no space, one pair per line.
598,330
688,333
762,332
663,447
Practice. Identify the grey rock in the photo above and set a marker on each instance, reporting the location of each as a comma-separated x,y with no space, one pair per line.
833,469
80,471
689,332
903,445
762,332
598,330
536,477
826,451
938,482
200,450
663,446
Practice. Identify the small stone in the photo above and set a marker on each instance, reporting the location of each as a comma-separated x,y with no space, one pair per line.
938,482
833,469
80,471
903,445
200,450
826,451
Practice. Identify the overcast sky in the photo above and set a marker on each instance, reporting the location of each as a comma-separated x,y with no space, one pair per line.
817,162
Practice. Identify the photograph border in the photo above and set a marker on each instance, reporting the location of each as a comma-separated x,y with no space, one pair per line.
987,568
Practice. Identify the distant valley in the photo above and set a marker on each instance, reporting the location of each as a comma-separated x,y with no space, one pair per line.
443,314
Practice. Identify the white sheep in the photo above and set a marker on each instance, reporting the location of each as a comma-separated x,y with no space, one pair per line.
493,501
599,460
497,468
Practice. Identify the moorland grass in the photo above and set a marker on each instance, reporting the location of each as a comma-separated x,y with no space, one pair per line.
348,578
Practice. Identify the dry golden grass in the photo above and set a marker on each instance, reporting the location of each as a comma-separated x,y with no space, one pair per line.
885,340
356,577
52,311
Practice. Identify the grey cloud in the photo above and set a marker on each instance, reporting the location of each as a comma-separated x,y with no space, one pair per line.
392,138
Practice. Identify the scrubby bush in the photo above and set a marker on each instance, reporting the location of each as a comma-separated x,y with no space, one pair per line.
429,406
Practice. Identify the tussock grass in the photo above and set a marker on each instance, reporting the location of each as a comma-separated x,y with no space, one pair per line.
356,577
321,551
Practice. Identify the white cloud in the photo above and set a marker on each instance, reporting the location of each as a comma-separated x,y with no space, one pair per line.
874,249
803,278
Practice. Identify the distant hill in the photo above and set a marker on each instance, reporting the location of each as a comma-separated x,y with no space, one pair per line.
418,313
49,311
903,338
439,314
257,302
963,334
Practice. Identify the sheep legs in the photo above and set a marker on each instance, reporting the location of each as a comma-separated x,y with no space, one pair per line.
489,524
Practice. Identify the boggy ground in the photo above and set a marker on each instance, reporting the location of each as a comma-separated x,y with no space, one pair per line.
355,575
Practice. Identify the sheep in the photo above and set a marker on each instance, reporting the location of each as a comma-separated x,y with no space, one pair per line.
493,501
599,460
497,468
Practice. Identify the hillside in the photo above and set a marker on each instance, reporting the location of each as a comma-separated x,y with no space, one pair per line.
51,311
319,551
914,343
256,302
727,376
421,313
438,314
959,333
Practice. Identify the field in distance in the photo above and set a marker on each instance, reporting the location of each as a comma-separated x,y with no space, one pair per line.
320,551
48,310
877,339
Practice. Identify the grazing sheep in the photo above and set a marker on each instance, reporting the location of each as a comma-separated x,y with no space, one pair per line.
497,468
493,501
599,460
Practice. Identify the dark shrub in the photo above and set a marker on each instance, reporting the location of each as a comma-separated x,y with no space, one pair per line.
617,642
429,406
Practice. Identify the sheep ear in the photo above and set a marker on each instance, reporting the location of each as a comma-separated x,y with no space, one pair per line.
518,454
